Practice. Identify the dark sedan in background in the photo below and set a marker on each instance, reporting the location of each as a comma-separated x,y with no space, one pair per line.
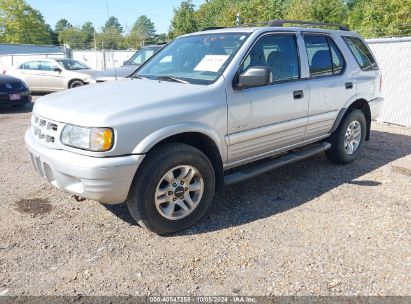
13,91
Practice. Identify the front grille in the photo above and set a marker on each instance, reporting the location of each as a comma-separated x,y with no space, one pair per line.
45,130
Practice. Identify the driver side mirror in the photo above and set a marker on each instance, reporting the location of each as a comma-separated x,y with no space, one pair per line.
125,62
257,76
57,70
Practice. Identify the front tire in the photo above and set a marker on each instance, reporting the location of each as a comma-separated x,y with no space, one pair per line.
348,139
172,189
76,84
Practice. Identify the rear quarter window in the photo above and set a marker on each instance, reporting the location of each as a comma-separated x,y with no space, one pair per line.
362,53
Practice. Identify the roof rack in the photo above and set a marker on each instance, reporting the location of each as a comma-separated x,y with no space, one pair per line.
212,28
281,23
320,24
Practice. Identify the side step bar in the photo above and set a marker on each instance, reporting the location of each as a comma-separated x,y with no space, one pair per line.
270,164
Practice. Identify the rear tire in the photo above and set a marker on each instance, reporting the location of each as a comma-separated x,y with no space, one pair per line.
347,140
172,189
76,83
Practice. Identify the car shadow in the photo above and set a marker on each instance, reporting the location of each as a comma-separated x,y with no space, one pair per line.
291,186
9,109
26,108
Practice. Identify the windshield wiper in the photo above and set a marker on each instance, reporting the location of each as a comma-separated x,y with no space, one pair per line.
172,78
138,77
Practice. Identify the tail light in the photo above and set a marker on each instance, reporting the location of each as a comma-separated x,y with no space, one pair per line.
380,83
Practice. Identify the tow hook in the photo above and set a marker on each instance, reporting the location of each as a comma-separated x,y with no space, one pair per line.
79,199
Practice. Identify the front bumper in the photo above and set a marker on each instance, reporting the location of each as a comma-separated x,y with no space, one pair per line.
376,106
104,179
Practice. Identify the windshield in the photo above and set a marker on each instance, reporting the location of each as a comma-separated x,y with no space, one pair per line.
198,59
72,65
141,56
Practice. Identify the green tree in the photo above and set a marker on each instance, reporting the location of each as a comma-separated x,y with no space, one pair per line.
184,20
61,25
20,23
143,31
299,10
88,33
113,22
379,18
111,35
74,37
332,11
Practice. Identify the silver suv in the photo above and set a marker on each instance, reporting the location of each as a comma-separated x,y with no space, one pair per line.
210,109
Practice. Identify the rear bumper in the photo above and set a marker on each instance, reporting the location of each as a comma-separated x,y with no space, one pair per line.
106,179
376,106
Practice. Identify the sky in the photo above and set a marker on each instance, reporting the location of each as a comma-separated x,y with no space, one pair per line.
79,11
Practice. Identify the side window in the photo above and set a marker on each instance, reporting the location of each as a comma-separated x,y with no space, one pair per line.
31,65
279,53
324,57
361,53
46,66
337,58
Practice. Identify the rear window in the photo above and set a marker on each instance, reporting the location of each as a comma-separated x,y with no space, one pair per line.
361,53
324,57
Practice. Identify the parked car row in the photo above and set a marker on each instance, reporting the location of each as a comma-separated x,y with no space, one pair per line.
57,74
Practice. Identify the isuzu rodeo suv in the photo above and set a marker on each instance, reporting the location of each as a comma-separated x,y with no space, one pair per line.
210,109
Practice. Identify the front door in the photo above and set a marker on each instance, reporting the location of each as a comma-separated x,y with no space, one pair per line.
264,119
51,80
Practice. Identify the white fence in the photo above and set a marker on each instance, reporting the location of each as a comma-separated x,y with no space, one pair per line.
393,56
103,60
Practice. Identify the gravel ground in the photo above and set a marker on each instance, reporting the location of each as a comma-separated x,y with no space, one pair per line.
309,228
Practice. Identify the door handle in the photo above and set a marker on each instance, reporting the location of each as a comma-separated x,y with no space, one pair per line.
298,94
349,85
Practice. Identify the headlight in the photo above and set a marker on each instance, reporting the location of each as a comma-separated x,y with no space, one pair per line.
92,139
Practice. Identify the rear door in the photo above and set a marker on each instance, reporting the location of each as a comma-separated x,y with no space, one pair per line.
330,83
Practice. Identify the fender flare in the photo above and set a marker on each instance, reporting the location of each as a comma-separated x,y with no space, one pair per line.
145,145
344,110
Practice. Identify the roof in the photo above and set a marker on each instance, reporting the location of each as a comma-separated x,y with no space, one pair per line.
8,49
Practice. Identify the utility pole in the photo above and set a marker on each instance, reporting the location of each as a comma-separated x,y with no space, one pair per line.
95,46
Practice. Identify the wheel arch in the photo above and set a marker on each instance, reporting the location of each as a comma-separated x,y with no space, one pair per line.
360,104
200,137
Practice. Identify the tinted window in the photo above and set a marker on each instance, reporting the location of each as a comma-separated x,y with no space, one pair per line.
141,56
337,58
47,66
279,53
324,58
361,53
32,65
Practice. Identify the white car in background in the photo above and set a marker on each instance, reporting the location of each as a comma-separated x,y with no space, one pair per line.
50,75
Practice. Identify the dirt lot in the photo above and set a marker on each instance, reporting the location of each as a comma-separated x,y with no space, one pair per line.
308,228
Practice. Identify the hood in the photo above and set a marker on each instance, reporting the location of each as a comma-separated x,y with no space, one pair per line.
102,104
121,72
